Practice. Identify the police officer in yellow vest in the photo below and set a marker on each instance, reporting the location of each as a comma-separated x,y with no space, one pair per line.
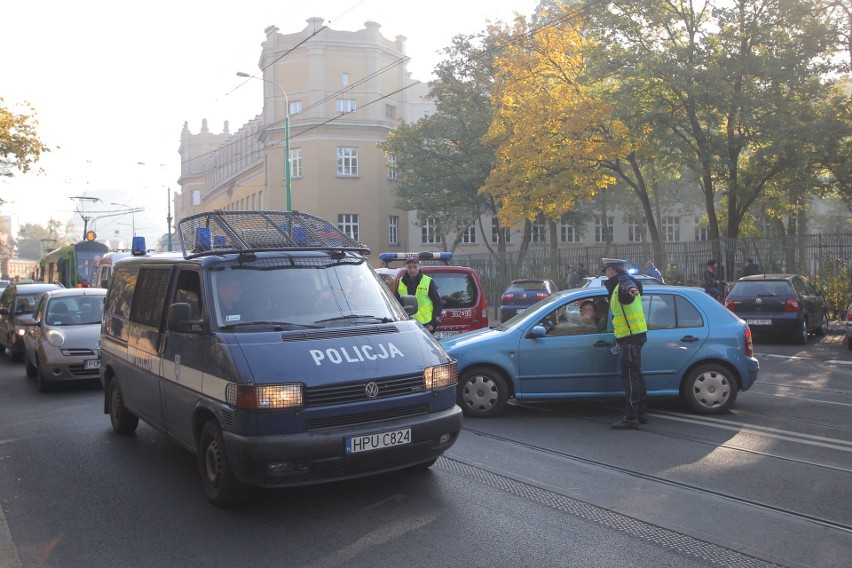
429,304
628,322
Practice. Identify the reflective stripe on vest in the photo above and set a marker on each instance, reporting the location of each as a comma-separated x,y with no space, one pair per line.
424,304
627,319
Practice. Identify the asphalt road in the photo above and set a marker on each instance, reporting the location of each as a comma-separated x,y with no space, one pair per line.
542,485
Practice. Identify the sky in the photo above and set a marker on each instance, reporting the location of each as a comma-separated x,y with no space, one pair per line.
113,84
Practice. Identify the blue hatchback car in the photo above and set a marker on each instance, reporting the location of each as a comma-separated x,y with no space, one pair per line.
561,348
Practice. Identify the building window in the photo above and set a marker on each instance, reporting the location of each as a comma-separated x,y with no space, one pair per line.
495,236
634,229
391,158
296,162
390,112
567,232
604,231
295,107
196,197
393,230
468,236
671,229
539,230
348,223
345,79
345,105
429,232
347,161
701,233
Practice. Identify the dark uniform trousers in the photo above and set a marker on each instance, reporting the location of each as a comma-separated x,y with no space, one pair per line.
635,393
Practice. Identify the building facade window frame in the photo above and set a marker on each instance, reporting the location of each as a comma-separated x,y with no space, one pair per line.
429,232
604,232
393,229
347,161
348,224
495,236
345,105
468,236
296,162
671,228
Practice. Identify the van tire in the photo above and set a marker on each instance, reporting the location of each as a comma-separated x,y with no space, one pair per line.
482,392
221,485
123,421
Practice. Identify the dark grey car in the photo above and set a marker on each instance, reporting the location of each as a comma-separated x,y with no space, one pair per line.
782,305
17,302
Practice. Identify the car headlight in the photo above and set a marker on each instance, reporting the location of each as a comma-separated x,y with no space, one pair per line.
20,331
441,376
265,397
55,338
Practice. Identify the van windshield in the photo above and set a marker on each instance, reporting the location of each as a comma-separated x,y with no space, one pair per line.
309,296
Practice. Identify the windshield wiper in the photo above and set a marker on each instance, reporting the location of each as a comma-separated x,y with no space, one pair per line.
275,323
355,316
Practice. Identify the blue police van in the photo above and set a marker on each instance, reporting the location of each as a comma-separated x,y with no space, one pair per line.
272,350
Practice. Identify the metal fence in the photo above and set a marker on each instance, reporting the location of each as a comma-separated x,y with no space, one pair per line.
822,258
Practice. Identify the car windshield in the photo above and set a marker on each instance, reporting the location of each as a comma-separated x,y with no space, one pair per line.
302,296
457,290
75,310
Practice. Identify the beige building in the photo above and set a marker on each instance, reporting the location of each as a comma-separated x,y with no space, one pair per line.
343,92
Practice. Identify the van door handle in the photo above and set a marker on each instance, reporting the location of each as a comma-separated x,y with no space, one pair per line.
602,343
689,339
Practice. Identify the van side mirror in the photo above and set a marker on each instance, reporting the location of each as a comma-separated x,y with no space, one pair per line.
409,304
179,319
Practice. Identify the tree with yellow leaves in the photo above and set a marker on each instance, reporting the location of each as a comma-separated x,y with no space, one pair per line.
551,129
20,146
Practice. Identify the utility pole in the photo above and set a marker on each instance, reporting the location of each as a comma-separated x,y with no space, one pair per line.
86,218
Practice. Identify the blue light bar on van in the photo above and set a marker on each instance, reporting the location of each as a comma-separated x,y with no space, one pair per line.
138,246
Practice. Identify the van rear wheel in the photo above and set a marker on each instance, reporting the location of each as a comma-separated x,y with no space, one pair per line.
221,485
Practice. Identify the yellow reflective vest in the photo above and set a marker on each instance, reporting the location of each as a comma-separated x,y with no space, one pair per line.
424,304
627,319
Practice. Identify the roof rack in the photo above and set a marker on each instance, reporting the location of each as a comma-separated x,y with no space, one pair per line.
223,232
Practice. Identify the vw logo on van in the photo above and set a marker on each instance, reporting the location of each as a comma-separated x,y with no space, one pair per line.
372,390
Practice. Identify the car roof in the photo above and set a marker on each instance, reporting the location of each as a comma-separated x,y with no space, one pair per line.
30,288
72,292
771,277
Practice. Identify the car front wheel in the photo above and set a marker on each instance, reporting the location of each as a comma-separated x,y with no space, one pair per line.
31,369
221,485
710,389
802,336
823,325
123,421
482,392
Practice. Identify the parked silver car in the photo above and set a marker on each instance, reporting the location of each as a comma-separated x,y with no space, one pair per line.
61,339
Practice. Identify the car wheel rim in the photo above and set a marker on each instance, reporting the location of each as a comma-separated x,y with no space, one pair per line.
212,460
480,393
711,389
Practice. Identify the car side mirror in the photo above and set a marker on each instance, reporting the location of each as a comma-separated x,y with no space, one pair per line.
179,319
409,304
537,332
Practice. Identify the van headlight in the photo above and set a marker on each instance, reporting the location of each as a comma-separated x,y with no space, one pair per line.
55,337
265,397
441,376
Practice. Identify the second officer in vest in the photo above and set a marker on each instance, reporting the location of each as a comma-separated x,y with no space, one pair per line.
628,322
429,304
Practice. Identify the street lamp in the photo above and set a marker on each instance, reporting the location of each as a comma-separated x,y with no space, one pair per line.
132,211
286,132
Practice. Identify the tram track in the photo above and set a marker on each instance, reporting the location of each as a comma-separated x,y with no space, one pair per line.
606,466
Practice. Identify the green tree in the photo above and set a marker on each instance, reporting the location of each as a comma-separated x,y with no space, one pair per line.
440,159
731,82
35,240
20,146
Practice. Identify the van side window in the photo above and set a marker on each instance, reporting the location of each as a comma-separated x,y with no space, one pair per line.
189,291
121,294
150,297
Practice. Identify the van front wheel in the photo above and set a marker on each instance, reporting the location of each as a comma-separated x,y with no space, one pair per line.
217,477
